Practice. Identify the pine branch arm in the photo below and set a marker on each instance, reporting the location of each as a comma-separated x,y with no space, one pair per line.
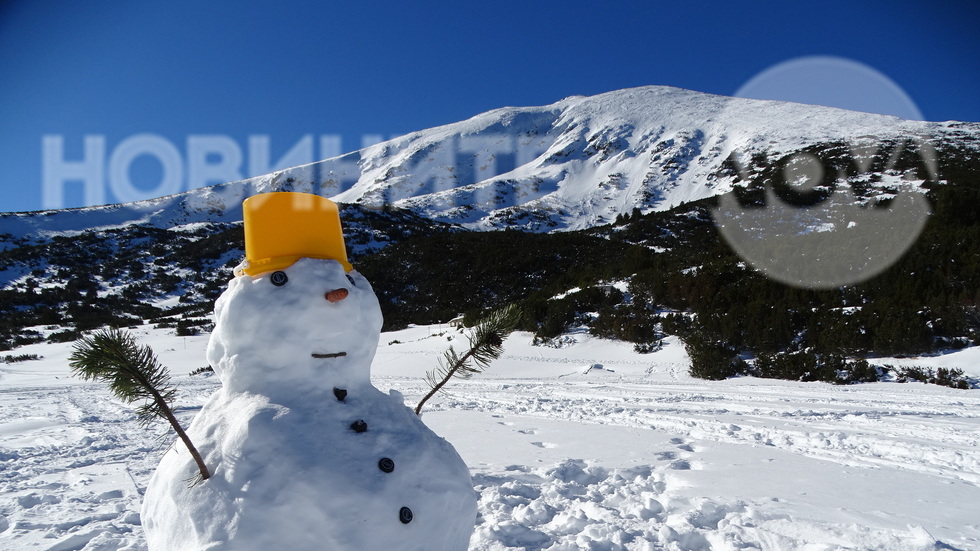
169,414
133,373
449,375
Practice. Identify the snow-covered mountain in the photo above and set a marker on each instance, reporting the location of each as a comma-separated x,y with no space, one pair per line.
574,164
583,160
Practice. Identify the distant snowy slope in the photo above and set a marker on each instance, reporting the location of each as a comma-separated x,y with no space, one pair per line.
164,212
583,160
574,164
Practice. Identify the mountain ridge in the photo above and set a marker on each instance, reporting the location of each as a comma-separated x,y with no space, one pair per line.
577,163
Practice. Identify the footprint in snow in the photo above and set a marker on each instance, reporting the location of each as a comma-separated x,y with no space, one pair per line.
528,431
544,444
680,465
681,444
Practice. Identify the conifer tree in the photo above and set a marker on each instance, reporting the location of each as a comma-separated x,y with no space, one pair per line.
132,373
486,344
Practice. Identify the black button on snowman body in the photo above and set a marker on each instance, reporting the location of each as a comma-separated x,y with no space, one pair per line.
385,464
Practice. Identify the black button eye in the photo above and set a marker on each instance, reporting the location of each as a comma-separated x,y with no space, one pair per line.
279,278
349,278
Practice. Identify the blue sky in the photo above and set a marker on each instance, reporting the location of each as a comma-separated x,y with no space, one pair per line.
352,70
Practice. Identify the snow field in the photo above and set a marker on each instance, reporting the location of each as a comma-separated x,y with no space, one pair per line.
590,446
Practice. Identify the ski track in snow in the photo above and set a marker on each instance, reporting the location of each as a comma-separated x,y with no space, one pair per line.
606,451
850,428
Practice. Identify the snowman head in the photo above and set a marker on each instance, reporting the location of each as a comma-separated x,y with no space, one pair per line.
296,323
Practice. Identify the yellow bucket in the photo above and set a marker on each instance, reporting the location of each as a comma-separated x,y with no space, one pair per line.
284,226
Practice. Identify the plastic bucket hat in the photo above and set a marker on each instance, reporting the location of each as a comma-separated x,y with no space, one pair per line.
284,226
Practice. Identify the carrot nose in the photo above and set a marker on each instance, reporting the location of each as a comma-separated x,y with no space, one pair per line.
337,295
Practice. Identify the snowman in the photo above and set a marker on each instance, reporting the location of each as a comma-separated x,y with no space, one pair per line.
305,453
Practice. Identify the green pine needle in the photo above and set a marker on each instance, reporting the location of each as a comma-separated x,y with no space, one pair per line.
131,370
486,344
133,373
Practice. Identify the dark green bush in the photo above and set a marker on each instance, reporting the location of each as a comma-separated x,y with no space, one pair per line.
712,359
68,335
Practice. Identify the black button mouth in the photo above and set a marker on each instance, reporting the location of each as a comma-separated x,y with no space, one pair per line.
331,355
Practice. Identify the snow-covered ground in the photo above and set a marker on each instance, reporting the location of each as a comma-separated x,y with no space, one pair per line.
589,446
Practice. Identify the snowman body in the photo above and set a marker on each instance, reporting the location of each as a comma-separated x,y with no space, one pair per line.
305,453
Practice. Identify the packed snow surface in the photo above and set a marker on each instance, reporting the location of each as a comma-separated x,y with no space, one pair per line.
587,446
